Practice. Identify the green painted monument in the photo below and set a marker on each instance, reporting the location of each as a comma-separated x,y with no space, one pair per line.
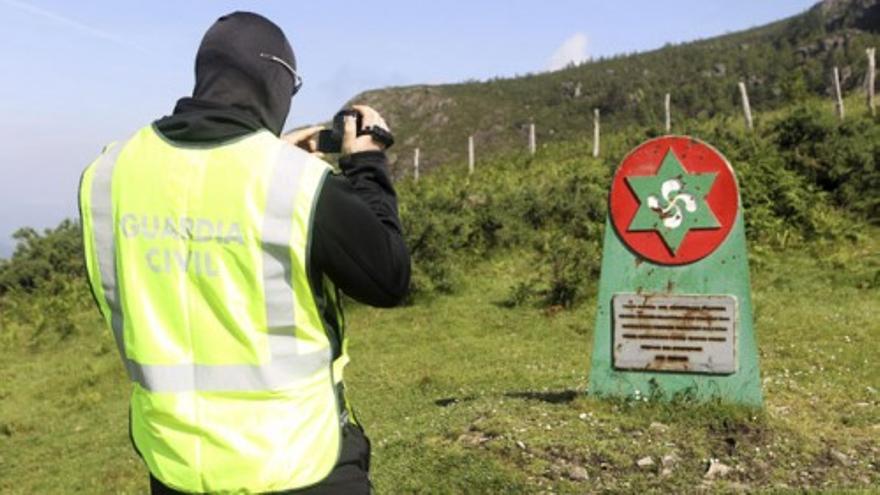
675,313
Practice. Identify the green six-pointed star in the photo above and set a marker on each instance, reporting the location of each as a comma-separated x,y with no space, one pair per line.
672,202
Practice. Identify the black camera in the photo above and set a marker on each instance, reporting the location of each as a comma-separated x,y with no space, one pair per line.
330,140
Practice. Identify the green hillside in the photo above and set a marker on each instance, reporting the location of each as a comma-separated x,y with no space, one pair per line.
478,383
786,60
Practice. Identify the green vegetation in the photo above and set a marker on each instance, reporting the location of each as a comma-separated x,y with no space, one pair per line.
806,179
464,396
448,388
43,286
478,384
781,62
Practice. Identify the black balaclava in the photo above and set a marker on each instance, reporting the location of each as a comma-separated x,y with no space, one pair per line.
238,89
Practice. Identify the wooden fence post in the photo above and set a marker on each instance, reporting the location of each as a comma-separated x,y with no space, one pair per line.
747,109
470,154
872,71
416,165
838,94
532,144
668,104
595,133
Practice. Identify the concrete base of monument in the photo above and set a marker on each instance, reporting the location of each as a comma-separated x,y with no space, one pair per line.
670,332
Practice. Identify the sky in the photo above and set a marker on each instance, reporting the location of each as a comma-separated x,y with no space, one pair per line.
78,75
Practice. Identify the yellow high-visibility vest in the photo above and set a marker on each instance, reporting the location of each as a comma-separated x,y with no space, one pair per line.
198,259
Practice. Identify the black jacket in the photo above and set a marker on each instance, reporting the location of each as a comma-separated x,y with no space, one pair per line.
357,240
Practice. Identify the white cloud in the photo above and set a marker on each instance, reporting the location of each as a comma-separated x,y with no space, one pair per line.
572,50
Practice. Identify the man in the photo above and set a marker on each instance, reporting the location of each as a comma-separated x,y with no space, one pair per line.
216,251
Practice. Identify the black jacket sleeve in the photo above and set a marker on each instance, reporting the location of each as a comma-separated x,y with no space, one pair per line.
357,239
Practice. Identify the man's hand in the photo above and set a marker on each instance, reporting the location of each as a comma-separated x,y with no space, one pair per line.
306,139
351,142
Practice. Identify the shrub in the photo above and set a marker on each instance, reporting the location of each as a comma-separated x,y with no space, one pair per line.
842,159
39,259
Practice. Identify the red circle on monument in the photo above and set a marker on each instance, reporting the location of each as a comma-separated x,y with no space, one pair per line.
644,162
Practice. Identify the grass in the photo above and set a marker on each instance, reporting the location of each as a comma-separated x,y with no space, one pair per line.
462,395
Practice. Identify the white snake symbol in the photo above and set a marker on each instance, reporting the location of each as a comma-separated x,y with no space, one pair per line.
671,213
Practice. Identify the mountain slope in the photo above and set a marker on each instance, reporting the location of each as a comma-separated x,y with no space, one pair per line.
779,62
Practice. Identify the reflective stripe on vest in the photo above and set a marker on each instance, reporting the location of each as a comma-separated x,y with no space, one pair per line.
286,364
198,259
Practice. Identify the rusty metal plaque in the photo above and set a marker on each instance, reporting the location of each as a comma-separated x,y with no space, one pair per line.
680,333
